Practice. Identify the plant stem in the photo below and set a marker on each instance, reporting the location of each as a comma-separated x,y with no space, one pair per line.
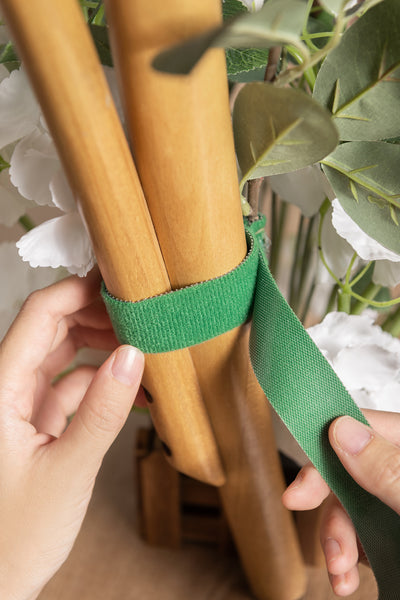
26,222
253,192
392,323
369,294
344,301
274,56
293,299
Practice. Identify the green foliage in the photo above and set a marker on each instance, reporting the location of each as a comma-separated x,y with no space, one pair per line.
102,43
242,61
278,22
360,80
278,130
364,176
232,8
3,164
9,57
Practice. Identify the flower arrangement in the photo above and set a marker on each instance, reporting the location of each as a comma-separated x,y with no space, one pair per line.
315,88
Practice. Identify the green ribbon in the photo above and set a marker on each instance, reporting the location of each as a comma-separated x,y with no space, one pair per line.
296,378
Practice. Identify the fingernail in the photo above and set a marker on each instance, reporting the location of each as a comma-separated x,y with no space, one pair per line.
332,550
123,366
351,435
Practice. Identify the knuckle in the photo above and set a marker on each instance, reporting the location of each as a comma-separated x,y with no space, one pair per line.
388,474
103,417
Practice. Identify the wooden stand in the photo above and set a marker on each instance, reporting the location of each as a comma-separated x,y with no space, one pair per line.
175,509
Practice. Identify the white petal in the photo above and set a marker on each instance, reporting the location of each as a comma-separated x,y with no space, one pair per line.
4,72
305,188
339,330
19,279
19,110
388,398
12,204
366,367
62,241
336,250
365,246
386,273
33,165
61,192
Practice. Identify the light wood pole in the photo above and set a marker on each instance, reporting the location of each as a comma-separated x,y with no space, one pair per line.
57,51
182,140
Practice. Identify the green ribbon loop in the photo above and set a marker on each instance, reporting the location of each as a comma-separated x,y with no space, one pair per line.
298,381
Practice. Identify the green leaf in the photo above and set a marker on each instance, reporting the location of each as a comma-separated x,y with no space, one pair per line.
278,130
364,177
232,8
277,22
360,80
9,57
102,43
3,164
240,61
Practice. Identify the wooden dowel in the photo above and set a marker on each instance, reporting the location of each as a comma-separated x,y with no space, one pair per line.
57,51
182,138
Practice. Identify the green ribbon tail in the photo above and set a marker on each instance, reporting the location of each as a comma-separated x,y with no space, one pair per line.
307,395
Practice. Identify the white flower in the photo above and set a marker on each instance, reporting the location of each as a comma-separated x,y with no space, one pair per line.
19,281
307,188
365,358
37,174
387,267
62,241
19,110
336,250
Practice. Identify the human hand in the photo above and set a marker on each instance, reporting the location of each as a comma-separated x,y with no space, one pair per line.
47,472
372,457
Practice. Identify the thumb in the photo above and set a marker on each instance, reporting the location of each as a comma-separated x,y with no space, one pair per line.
371,460
104,409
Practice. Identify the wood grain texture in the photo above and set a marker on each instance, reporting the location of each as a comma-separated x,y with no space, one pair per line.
181,134
58,53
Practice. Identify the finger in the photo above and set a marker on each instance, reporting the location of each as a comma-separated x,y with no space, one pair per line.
35,332
103,411
387,424
346,583
370,459
307,491
64,399
338,539
58,360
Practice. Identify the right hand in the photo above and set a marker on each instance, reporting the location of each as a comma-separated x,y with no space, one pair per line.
372,457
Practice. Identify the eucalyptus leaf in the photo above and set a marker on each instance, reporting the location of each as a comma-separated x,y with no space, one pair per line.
360,80
365,179
232,8
9,57
277,22
245,60
279,130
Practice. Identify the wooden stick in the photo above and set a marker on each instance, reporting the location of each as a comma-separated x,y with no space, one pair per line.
58,53
182,139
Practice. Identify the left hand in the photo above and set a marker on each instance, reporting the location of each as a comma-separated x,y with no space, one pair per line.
371,466
47,471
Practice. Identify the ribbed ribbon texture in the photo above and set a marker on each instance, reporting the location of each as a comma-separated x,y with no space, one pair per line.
297,380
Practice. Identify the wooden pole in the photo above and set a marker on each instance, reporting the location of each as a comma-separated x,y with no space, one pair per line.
182,139
57,51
